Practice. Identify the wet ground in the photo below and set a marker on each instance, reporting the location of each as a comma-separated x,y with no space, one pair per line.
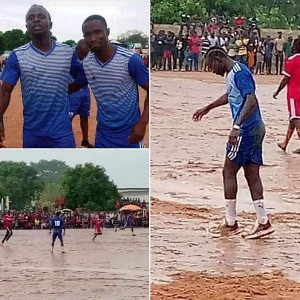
187,159
114,266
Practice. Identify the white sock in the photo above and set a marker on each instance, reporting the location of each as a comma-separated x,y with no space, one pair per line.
260,211
230,205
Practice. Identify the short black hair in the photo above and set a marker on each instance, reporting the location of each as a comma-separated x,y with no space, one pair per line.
296,46
95,17
39,6
215,52
57,213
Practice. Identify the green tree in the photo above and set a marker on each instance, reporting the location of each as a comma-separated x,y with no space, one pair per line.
133,36
47,197
271,13
2,46
20,182
89,183
50,171
14,39
69,42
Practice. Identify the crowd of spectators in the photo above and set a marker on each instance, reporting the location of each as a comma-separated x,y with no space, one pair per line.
185,51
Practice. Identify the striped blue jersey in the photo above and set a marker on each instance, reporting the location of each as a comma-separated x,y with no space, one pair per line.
44,83
115,87
239,84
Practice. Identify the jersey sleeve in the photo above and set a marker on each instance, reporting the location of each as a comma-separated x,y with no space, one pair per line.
12,72
288,70
77,71
245,83
137,70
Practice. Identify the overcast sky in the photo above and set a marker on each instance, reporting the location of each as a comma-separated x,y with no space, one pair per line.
127,168
67,15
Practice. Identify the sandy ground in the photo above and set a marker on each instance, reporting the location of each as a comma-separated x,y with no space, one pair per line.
186,181
114,266
14,120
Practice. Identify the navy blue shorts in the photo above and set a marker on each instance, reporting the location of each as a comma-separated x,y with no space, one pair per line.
248,149
80,103
36,141
57,235
107,139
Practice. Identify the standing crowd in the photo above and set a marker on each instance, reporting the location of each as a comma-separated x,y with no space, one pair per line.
186,51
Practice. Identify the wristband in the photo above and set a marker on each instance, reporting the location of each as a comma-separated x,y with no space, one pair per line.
235,126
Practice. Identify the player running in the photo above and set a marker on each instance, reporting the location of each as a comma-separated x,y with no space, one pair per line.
8,223
291,79
57,224
244,147
98,225
129,223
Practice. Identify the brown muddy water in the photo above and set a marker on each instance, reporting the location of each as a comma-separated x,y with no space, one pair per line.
114,266
186,180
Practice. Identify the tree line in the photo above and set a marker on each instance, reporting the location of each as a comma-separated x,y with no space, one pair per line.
283,14
15,38
86,186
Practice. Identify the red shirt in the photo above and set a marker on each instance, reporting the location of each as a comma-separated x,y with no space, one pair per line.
292,70
239,21
98,225
194,43
8,220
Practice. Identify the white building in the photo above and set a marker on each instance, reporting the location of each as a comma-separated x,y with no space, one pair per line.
141,193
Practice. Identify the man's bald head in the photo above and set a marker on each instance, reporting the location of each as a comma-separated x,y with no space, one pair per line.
82,49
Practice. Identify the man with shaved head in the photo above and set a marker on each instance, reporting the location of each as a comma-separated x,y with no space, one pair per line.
80,101
43,66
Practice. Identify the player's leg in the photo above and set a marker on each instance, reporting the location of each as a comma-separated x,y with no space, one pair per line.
297,125
6,235
84,125
10,234
84,113
230,186
262,225
294,111
61,242
288,135
54,236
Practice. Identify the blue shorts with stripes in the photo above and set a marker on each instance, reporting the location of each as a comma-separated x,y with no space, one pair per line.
248,149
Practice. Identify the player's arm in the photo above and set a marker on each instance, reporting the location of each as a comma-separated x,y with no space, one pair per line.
5,95
64,226
288,73
78,74
246,85
9,77
248,108
140,74
50,226
197,116
281,86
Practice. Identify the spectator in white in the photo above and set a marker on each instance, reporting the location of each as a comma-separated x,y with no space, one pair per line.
279,44
205,45
213,40
223,41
